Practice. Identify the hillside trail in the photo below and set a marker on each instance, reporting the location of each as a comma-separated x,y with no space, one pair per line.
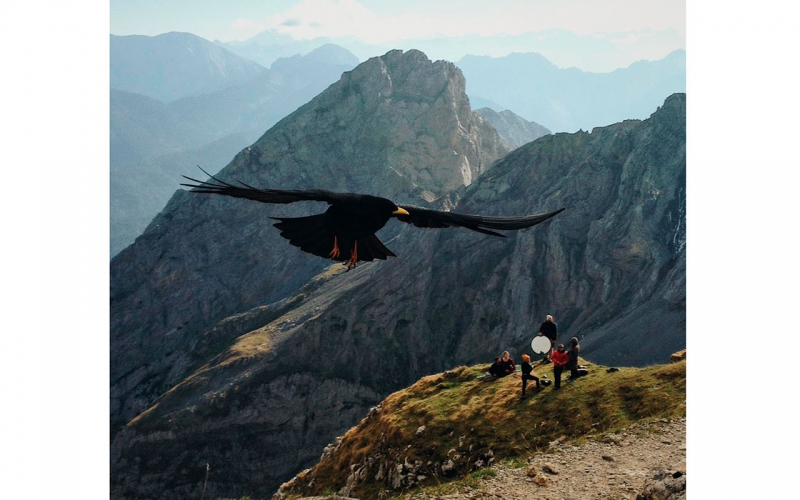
615,466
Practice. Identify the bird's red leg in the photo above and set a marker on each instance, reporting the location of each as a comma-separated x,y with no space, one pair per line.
335,252
351,262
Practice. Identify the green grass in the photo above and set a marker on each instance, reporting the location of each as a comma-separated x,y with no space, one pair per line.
481,474
469,417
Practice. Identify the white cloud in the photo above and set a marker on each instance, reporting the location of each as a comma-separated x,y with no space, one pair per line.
313,18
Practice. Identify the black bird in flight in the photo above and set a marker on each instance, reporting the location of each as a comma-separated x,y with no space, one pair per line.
346,231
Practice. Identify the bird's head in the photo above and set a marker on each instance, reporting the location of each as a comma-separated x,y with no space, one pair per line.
385,206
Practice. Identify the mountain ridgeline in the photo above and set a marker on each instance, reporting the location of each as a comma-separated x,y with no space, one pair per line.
174,65
152,142
230,347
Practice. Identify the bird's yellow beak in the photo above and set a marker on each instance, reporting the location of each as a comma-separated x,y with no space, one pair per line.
400,211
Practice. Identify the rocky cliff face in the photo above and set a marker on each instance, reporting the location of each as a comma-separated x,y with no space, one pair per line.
398,126
611,269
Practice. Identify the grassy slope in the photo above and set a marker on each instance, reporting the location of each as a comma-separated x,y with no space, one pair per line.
466,417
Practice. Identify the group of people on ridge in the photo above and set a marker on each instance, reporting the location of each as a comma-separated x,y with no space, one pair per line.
562,360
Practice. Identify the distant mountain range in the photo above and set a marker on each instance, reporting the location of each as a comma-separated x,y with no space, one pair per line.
230,347
595,52
153,143
566,100
175,65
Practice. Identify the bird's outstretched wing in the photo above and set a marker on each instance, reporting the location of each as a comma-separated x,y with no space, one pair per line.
262,195
423,217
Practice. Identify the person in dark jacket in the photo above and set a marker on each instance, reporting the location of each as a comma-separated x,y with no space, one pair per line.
560,359
572,355
503,366
527,374
549,329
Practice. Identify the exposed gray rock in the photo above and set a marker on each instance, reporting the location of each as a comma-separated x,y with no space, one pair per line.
664,485
549,468
448,467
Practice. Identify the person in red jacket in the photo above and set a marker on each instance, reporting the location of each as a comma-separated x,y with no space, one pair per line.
560,360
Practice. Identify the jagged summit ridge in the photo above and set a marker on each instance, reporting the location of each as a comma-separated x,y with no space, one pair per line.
399,119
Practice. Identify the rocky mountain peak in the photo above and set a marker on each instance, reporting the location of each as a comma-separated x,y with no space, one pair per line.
398,126
395,125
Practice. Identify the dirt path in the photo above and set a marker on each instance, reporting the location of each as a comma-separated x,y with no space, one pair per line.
613,467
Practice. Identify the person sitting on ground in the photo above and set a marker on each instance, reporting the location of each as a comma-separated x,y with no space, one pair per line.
560,360
527,374
503,366
550,330
572,355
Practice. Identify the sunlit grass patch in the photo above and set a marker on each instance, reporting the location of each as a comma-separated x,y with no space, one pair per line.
454,417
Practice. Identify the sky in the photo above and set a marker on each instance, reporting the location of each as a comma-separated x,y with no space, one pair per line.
742,237
379,21
639,29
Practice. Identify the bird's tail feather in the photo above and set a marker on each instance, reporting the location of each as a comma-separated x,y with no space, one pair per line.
371,248
311,235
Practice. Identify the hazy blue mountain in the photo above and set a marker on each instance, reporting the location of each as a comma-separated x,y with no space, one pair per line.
514,129
152,141
143,127
566,100
174,65
265,49
478,102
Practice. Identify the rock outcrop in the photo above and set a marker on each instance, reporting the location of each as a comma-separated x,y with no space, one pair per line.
665,485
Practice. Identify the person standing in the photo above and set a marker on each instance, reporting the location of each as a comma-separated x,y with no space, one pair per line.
527,374
560,360
572,355
549,329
